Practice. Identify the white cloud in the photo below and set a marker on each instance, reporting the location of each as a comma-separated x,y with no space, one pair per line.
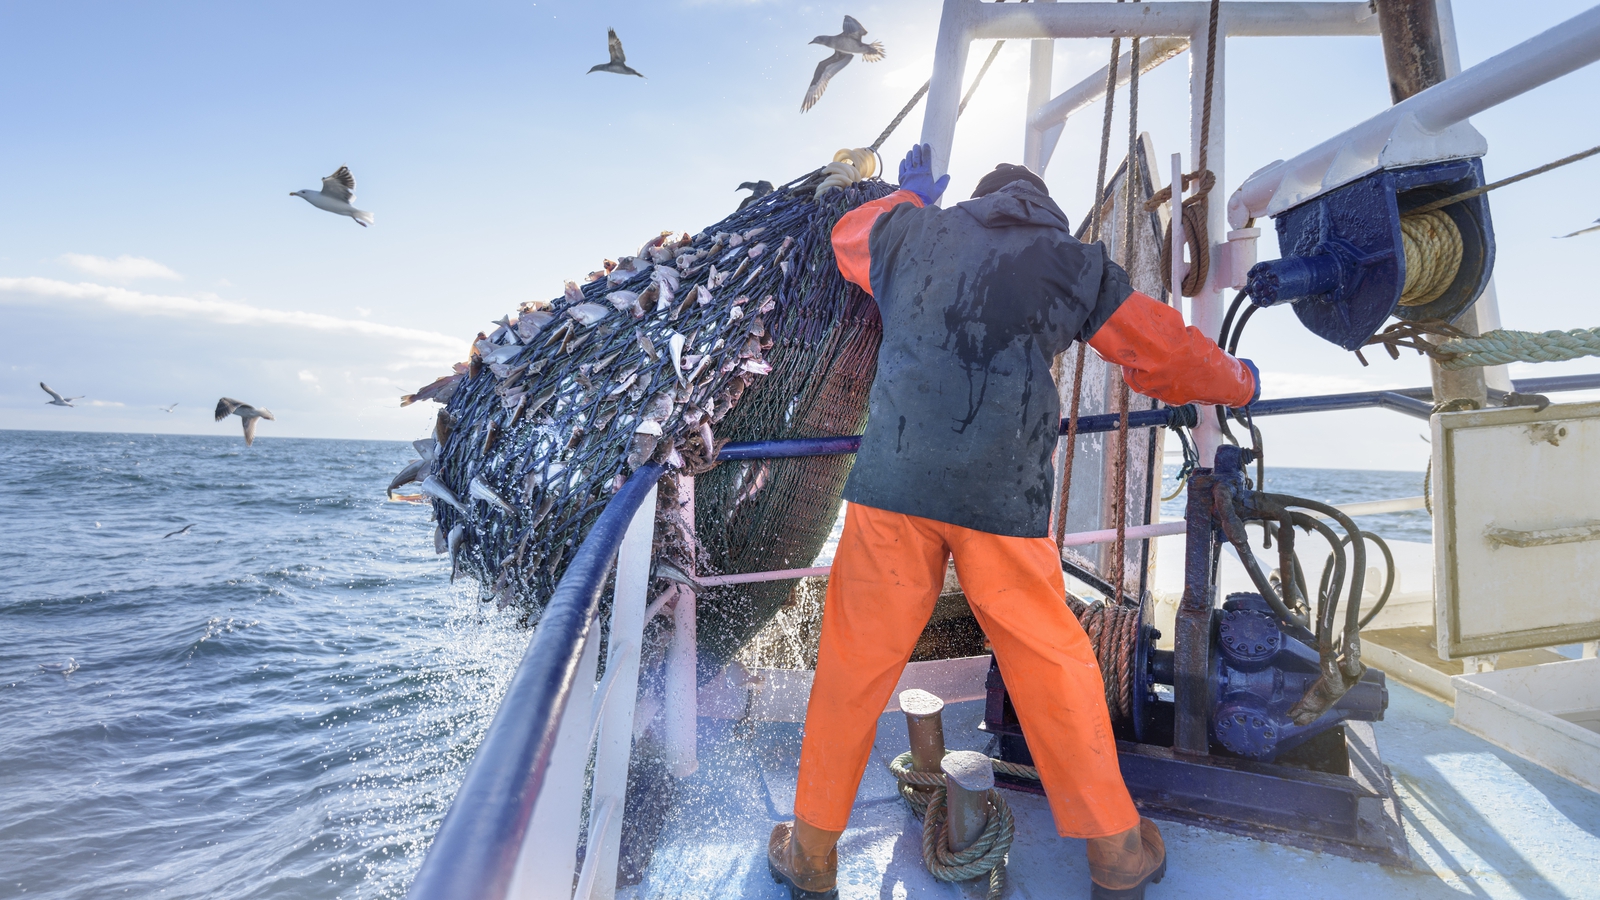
429,346
123,268
106,403
308,375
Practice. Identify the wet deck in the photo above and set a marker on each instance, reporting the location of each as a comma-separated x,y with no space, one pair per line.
1480,823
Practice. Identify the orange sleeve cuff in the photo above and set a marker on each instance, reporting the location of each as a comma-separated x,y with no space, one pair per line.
1165,359
852,232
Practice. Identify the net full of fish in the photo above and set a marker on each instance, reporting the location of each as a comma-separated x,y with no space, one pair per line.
745,331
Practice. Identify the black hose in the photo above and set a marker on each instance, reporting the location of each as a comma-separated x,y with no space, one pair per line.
1352,629
1233,528
1388,583
1238,332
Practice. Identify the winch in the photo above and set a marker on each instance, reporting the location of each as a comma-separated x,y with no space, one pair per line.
1381,246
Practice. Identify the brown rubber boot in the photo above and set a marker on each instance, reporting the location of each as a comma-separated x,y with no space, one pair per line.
806,859
1123,864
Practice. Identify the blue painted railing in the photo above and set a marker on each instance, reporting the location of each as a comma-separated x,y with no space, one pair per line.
475,852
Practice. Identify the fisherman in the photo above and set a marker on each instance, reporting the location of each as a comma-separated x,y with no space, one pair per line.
976,301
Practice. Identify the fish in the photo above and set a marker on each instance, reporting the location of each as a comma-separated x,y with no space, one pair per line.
530,323
497,353
458,536
415,471
646,302
440,389
571,291
435,487
443,423
491,433
540,399
675,344
427,448
482,491
756,251
715,279
756,366
440,542
626,382
643,447
628,302
545,505
507,373
588,313
754,485
708,440
646,345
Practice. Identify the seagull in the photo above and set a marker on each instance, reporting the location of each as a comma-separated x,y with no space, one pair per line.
844,44
66,668
183,530
1594,227
230,407
338,190
757,189
619,63
57,399
166,409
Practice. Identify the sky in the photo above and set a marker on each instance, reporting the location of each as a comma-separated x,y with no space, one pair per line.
150,252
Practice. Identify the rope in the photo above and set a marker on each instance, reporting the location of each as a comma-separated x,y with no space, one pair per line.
987,855
1468,195
1432,245
1496,348
1129,254
847,168
1094,235
1113,632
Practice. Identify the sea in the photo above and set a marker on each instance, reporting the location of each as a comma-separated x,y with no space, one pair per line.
279,702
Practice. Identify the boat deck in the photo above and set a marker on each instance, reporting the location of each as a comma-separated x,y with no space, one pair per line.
1480,823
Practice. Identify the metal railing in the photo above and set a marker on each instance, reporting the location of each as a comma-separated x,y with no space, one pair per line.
513,828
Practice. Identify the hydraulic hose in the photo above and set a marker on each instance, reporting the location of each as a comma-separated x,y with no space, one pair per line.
1352,631
1233,528
1388,583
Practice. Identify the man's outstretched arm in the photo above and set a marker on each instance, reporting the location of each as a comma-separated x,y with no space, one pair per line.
1161,357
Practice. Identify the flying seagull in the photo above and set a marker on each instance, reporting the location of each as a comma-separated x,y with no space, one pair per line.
229,407
619,63
757,189
844,45
57,399
183,530
337,194
166,409
1594,227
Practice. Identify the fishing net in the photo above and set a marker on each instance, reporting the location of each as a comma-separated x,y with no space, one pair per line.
744,331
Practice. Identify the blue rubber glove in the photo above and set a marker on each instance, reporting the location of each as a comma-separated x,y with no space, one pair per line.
1256,374
916,175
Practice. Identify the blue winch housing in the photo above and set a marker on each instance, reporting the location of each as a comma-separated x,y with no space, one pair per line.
1343,262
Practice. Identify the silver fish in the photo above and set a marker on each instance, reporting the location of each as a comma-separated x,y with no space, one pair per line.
440,542
530,323
588,313
427,448
477,488
675,344
414,472
626,301
572,293
756,251
458,536
435,487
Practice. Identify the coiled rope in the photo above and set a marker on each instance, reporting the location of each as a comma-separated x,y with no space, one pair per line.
987,855
1432,245
1113,632
847,168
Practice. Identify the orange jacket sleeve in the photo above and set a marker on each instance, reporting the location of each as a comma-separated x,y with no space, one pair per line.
852,231
1164,359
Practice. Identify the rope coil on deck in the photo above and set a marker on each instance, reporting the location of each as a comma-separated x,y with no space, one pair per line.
987,855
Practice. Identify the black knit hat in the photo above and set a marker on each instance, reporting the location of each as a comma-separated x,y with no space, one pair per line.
1004,174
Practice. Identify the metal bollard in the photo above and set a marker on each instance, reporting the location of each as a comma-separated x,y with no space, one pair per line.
968,777
925,727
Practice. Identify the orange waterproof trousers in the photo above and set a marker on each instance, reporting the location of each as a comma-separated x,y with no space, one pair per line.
886,578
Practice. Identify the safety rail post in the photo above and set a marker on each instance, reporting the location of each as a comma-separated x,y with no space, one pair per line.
615,702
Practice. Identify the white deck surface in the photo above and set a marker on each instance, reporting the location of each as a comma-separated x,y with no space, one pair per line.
1481,823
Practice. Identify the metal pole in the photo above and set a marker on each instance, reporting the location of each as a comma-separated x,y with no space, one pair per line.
1041,62
944,89
968,778
1414,57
